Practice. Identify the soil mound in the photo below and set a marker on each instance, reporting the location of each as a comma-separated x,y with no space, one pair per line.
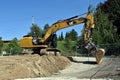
29,66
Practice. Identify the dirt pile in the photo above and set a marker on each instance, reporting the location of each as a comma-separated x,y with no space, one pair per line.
14,67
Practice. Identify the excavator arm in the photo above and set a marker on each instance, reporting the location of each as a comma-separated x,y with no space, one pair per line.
71,22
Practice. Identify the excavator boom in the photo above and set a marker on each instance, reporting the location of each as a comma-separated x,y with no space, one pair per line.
89,22
60,25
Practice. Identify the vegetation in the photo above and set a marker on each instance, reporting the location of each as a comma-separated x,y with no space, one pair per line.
67,47
112,8
35,31
107,30
11,48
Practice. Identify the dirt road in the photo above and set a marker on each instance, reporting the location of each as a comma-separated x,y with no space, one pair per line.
86,69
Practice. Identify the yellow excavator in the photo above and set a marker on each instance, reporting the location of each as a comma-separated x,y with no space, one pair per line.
47,44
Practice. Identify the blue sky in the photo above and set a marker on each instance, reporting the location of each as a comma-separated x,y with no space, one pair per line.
16,15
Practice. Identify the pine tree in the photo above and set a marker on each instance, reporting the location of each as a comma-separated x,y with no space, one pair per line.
67,35
73,35
112,8
62,38
104,29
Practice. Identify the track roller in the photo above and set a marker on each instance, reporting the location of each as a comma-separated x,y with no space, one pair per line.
54,52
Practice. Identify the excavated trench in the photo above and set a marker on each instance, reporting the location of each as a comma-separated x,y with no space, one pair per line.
29,66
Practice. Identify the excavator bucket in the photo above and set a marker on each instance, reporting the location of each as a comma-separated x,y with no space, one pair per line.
99,55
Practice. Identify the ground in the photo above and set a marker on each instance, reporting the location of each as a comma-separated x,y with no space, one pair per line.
58,68
84,68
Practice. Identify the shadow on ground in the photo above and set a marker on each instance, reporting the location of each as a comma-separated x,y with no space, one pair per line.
84,62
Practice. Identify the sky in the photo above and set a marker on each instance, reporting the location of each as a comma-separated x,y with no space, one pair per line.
16,15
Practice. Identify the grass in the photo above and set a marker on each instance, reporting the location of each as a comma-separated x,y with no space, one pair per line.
67,48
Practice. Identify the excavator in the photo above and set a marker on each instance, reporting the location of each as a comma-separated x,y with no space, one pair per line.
47,44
